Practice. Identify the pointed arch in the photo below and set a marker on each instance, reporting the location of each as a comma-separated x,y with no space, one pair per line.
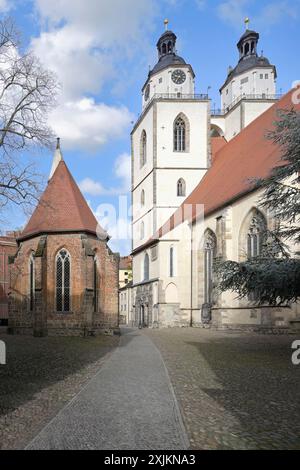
181,134
210,251
63,280
171,293
181,188
143,148
252,234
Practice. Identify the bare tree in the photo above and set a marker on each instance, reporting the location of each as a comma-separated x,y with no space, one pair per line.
27,94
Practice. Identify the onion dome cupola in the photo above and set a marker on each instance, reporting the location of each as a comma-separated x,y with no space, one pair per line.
256,72
171,74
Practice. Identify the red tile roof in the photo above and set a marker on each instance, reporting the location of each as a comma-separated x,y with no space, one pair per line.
216,144
247,156
125,263
62,208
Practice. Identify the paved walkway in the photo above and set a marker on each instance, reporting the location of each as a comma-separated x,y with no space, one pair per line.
129,404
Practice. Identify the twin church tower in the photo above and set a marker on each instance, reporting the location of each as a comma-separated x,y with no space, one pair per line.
172,139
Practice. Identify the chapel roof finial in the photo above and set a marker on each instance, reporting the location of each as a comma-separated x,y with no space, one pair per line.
247,22
57,158
166,23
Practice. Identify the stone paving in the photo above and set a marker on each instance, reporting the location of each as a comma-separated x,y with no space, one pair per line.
41,376
235,390
129,404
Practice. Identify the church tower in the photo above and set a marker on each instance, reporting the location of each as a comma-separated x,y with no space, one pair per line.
248,91
170,142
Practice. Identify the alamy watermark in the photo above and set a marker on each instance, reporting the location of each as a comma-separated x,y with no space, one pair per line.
296,353
2,353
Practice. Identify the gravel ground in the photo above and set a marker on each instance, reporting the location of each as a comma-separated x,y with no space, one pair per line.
41,376
235,390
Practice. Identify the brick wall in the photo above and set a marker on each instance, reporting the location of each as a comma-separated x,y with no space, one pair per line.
82,317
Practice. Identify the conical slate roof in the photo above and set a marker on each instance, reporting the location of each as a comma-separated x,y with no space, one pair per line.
62,208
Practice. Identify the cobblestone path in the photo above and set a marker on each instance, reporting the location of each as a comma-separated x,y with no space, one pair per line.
129,404
235,390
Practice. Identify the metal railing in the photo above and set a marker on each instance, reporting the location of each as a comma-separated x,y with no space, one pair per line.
171,96
180,96
263,96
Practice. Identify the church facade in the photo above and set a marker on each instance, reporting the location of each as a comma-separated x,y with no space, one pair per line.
64,278
192,197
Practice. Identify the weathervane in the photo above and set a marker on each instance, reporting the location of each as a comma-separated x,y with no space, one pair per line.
166,22
247,22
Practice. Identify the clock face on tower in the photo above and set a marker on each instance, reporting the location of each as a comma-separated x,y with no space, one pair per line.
178,77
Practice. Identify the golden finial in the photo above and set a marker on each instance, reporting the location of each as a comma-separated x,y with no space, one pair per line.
247,22
166,23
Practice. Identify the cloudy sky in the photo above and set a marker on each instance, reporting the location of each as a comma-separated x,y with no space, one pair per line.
101,51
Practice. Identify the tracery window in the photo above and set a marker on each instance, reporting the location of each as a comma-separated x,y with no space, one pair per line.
210,247
179,135
63,274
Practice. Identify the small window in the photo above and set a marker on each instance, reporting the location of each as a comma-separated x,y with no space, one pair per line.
142,231
244,80
160,80
154,253
171,262
143,157
266,76
261,76
142,198
227,91
146,267
181,191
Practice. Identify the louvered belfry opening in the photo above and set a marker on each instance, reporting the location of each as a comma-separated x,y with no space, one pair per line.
63,274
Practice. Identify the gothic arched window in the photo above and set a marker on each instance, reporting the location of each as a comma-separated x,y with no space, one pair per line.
63,279
31,282
146,267
210,247
181,134
143,156
255,236
181,187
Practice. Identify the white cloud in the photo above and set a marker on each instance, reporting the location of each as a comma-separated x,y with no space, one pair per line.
5,5
85,124
234,12
201,4
122,172
87,44
89,186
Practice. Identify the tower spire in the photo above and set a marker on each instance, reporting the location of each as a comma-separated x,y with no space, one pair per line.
56,159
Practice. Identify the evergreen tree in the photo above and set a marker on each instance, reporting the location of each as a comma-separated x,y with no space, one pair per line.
274,277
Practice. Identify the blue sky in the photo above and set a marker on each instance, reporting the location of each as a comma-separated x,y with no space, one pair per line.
101,51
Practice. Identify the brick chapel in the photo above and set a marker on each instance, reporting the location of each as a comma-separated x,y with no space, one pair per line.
64,277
